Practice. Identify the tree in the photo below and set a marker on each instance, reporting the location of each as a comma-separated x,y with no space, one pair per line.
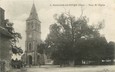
68,36
15,37
41,48
92,50
110,51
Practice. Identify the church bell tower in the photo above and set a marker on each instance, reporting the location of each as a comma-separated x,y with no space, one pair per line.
33,37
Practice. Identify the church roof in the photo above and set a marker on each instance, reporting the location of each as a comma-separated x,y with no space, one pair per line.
33,13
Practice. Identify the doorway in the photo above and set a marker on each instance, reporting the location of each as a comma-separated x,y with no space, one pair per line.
30,60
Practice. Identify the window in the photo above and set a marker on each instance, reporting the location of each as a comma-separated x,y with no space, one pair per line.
32,26
30,47
29,24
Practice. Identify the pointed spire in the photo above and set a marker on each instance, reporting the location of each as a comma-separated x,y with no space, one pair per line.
33,13
33,1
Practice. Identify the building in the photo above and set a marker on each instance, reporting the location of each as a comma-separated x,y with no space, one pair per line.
2,18
5,44
33,39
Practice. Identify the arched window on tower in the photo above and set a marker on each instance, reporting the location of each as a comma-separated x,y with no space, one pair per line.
32,26
30,47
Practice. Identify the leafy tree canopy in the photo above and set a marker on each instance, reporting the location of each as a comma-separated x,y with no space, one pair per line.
15,37
71,39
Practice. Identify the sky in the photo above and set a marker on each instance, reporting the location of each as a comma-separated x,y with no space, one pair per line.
17,11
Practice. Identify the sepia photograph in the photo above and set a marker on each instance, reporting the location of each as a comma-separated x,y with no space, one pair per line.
57,35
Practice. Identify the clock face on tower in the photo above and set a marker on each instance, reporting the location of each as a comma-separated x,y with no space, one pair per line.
30,36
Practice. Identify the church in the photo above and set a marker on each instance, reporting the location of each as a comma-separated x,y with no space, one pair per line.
33,39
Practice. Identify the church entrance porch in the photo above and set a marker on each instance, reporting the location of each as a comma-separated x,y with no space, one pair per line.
30,60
